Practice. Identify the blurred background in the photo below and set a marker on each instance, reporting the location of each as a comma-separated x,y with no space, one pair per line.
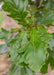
8,23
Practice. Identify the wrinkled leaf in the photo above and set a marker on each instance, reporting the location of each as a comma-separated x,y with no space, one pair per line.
15,44
25,49
35,48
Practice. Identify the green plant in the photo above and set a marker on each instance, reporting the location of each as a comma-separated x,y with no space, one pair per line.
32,49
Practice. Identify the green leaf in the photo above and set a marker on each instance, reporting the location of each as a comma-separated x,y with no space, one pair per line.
17,10
35,48
44,19
3,48
51,42
15,5
1,19
15,70
15,44
28,48
51,52
41,1
4,34
44,68
49,5
51,58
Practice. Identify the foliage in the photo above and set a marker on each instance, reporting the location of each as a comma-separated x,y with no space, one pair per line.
32,49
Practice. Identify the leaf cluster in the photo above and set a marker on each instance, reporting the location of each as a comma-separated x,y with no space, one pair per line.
32,49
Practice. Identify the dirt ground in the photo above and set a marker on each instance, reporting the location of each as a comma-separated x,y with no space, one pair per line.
4,59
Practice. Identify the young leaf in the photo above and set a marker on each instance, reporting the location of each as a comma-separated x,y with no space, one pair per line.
3,48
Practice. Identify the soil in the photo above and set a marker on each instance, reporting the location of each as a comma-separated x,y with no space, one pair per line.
4,59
